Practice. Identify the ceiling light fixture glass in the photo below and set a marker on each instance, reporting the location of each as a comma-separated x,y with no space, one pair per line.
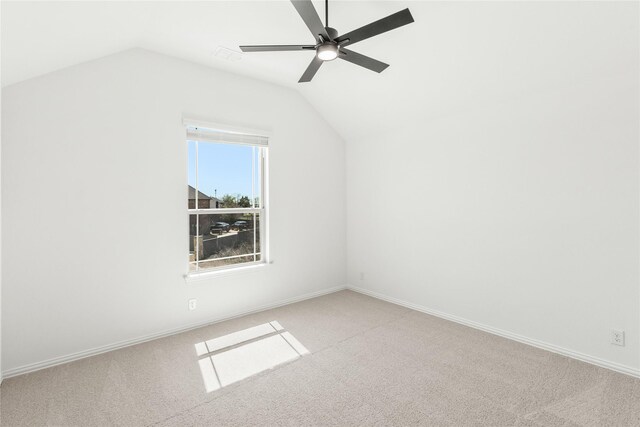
327,52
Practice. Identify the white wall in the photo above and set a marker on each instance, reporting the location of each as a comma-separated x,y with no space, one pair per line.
521,216
1,376
94,203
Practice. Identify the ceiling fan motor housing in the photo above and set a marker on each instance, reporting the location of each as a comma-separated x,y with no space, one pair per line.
332,33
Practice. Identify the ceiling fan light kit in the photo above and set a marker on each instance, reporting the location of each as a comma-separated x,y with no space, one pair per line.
327,51
329,45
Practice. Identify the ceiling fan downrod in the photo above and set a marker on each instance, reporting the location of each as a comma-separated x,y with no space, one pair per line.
326,13
329,45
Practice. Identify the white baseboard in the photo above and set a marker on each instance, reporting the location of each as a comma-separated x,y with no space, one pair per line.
505,334
25,369
522,339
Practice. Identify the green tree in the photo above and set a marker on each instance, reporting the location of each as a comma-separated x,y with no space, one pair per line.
229,201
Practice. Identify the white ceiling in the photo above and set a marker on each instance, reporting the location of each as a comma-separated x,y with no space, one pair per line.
456,56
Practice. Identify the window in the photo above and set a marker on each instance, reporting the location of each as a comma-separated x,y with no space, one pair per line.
226,199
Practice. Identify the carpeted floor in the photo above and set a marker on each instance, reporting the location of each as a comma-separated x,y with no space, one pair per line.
369,363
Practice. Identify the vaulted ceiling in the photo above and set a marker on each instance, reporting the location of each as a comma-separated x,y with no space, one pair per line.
455,57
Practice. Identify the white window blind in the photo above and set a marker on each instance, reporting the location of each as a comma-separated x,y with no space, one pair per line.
203,134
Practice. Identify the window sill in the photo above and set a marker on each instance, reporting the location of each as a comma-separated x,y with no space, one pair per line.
207,275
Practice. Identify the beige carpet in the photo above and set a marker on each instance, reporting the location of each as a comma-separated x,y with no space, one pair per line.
369,363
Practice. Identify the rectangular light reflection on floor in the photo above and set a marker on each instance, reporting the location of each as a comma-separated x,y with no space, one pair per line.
242,362
293,342
239,337
209,376
239,355
201,349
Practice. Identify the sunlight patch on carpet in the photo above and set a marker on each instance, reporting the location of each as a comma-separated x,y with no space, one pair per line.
242,354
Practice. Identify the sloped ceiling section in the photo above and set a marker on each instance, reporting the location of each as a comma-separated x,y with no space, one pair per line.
456,56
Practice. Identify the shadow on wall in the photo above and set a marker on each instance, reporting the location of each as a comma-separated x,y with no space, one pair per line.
239,355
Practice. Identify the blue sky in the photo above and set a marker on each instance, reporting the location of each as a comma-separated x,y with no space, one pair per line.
225,167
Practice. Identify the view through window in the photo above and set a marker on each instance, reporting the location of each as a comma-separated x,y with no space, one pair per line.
225,199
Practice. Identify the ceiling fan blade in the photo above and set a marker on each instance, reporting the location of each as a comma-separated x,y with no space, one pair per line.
380,26
275,48
310,17
311,70
362,60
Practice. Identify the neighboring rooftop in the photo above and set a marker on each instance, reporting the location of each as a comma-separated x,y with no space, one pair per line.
201,195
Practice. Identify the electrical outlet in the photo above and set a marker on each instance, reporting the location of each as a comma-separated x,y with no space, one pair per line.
192,304
617,337
361,276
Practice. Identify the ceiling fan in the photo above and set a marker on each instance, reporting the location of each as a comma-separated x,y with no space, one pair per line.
329,45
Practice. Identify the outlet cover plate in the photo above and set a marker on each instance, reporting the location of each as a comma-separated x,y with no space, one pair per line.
617,337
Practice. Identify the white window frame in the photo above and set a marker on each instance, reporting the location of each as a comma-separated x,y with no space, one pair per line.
232,135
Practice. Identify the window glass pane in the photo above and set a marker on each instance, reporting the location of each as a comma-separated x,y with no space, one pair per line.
216,240
193,243
193,267
225,175
256,235
257,167
191,173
